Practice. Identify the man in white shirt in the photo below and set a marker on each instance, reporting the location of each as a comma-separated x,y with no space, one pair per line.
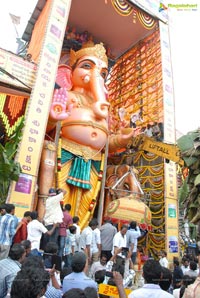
53,213
132,236
120,250
96,245
85,240
78,232
163,260
152,273
35,230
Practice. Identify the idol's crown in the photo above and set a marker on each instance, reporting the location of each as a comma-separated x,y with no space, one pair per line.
97,50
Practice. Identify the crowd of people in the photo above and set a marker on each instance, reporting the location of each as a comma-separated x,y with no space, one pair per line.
52,257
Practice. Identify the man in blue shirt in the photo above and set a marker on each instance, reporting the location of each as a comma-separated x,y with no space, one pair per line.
9,268
7,231
152,273
78,279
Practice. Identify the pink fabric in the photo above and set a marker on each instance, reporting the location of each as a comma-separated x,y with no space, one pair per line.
67,220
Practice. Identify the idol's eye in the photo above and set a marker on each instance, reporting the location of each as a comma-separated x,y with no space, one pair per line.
86,65
104,74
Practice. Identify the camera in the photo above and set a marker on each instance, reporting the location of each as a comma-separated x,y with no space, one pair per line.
125,251
109,274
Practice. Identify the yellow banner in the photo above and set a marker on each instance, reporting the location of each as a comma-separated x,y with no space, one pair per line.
108,290
22,193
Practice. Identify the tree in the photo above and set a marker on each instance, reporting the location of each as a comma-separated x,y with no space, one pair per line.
9,168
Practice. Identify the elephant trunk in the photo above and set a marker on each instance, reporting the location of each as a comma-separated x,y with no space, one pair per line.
100,94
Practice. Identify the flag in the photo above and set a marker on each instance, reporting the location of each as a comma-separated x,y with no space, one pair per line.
15,19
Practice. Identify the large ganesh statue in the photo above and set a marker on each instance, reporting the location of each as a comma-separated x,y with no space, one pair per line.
81,107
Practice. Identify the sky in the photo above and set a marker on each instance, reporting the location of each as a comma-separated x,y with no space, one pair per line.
185,53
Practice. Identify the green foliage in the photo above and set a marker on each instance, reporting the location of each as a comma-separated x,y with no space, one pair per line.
9,168
183,192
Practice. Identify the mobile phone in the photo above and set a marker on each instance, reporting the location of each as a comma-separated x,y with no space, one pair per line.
50,260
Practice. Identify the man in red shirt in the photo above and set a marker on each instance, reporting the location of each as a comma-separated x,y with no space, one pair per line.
21,233
67,221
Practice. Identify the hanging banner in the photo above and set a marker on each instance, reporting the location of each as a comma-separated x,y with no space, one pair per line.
16,71
22,193
171,194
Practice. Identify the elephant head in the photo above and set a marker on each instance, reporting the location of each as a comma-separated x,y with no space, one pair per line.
121,181
86,75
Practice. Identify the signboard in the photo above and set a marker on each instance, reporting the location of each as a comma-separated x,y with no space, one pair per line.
112,291
22,193
171,195
18,68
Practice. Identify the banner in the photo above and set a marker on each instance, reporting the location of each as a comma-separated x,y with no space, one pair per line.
171,193
22,193
18,68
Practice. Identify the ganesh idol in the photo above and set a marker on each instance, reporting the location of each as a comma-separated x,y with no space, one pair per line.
80,110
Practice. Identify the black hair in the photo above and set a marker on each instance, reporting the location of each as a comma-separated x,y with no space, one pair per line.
176,262
124,227
32,261
78,262
99,276
93,222
68,207
72,229
30,284
16,251
166,279
152,271
133,224
26,244
34,214
76,219
51,247
90,292
9,208
74,293
27,213
193,265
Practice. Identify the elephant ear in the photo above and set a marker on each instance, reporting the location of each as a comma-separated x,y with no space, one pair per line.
63,77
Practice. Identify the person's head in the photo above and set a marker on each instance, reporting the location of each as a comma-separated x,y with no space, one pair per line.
99,276
193,265
10,208
27,215
163,254
90,292
51,247
124,229
3,209
133,225
186,281
185,263
103,259
72,229
152,271
68,207
166,279
34,215
74,293
76,219
52,192
78,262
33,261
176,262
30,284
93,223
17,252
27,245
